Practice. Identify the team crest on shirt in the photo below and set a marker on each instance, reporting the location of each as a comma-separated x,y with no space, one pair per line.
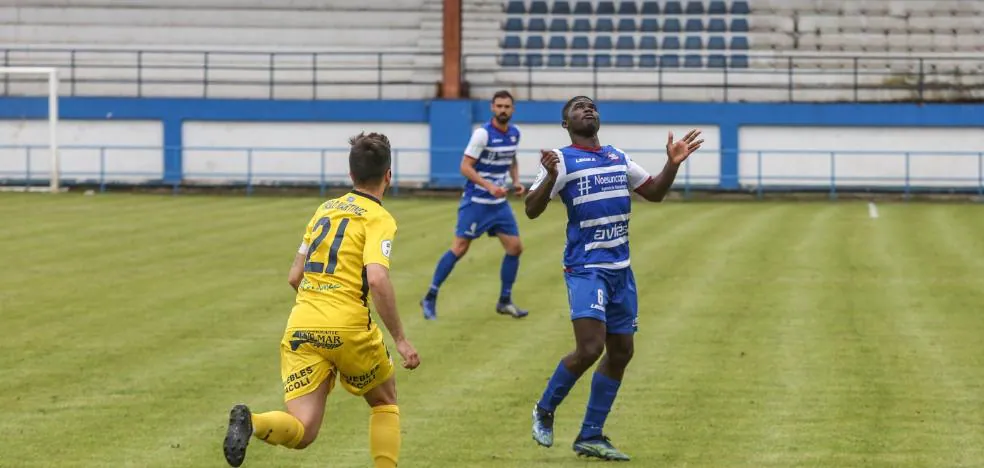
613,156
387,247
512,139
350,199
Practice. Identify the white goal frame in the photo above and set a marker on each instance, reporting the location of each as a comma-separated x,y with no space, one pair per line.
52,74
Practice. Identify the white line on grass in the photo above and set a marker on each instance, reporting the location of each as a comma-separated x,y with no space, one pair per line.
872,210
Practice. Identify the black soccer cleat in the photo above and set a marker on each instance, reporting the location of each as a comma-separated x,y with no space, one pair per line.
238,435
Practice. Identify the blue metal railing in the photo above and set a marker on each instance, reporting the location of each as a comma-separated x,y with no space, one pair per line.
759,171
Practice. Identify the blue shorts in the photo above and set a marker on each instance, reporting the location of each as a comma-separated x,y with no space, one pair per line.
476,219
605,295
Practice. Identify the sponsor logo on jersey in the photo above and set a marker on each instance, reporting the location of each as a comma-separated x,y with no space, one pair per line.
360,381
387,247
319,339
298,380
581,160
610,232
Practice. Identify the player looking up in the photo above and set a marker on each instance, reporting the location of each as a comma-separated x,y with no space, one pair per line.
343,259
594,183
489,158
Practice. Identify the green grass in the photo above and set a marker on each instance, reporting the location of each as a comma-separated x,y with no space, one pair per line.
771,335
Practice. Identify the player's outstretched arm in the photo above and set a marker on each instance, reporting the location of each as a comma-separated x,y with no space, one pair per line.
384,298
296,273
676,153
539,195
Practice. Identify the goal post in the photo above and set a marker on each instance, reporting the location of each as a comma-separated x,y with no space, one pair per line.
52,76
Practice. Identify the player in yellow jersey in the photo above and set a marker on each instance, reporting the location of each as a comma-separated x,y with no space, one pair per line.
342,261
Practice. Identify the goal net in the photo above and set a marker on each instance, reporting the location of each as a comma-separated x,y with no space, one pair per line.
29,150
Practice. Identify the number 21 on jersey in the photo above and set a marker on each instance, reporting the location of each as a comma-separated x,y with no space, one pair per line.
324,224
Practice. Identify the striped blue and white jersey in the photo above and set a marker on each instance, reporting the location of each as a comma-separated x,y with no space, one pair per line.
594,185
494,151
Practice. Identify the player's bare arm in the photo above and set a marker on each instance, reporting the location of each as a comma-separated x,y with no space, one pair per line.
296,273
468,170
676,153
518,187
539,196
384,298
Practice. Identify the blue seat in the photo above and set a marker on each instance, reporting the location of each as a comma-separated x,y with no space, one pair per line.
717,25
512,42
716,61
537,25
605,8
647,61
557,60
626,25
650,25
604,25
557,43
579,60
603,43
514,24
625,43
695,8
624,61
533,60
580,43
739,25
693,61
717,7
603,61
671,25
740,7
650,8
694,25
534,42
645,43
671,43
669,61
558,25
693,43
739,61
583,8
673,8
561,7
739,43
582,25
627,8
515,7
510,60
538,7
716,43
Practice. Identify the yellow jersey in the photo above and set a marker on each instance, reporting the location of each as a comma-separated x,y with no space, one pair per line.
344,235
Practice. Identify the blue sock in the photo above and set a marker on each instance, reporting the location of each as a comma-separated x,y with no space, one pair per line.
603,391
557,388
444,267
510,266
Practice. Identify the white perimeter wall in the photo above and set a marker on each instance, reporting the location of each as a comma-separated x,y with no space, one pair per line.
645,144
928,163
129,165
411,142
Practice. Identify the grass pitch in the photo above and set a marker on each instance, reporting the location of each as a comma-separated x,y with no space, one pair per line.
771,335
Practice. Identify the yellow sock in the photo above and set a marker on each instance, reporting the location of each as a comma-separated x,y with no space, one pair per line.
384,436
278,428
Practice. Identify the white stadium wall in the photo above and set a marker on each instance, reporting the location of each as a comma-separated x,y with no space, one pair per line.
645,144
80,142
801,156
215,151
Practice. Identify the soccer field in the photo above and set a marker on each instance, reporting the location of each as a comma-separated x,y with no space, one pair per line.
771,335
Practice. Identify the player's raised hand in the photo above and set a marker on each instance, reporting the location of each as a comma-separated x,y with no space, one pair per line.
519,188
549,160
679,151
498,192
410,358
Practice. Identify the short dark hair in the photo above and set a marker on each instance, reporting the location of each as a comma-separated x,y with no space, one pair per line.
567,107
502,94
369,158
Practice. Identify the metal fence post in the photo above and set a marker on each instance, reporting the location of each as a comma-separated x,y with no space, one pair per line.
686,180
71,72
314,76
758,188
102,169
379,75
833,175
980,174
28,166
725,71
321,186
855,79
6,76
271,75
249,171
396,172
790,63
205,76
922,79
907,175
529,80
139,73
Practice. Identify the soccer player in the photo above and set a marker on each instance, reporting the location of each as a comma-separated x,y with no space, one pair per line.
489,157
343,259
594,183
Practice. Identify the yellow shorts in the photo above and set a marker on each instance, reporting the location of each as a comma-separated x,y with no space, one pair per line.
309,357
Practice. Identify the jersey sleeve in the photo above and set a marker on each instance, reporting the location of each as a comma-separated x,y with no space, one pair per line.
637,175
308,231
477,143
542,175
380,232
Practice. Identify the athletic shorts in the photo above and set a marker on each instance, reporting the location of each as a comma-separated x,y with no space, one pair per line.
309,357
477,219
605,295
